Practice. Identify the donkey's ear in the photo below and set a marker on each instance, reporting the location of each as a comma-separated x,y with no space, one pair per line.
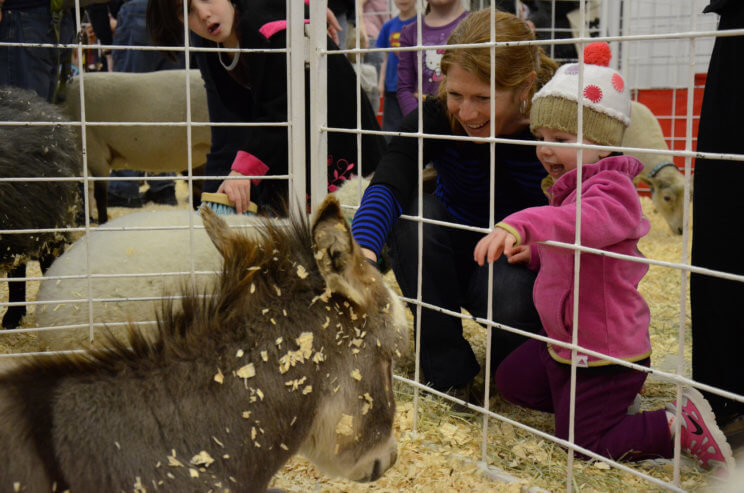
335,250
217,229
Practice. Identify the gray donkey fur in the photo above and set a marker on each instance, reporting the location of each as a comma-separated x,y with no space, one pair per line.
291,352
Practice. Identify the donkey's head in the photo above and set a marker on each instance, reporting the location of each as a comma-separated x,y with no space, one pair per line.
359,325
352,435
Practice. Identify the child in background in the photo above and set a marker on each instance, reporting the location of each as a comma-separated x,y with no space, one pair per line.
252,87
613,316
390,38
442,17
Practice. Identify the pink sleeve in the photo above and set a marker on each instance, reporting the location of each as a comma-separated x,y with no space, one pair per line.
249,165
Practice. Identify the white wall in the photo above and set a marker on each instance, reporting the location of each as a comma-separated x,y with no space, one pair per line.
660,63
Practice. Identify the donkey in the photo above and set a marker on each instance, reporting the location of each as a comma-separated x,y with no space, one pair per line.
289,351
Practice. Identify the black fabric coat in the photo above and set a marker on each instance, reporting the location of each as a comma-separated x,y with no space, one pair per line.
718,224
265,100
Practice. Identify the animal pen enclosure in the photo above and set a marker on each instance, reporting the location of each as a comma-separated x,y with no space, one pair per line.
663,49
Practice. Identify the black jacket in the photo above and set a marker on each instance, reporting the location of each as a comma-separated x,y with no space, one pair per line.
265,100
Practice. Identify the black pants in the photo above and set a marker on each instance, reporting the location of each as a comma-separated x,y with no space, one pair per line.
452,280
718,228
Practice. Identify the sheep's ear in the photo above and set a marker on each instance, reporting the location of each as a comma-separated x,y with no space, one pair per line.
648,181
217,229
335,251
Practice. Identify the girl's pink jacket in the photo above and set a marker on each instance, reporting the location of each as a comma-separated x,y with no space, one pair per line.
613,316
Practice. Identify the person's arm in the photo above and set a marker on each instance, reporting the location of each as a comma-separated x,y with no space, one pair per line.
225,144
374,219
395,179
407,71
611,212
383,42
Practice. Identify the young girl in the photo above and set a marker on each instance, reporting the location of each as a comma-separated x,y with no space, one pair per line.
613,316
442,17
388,85
252,87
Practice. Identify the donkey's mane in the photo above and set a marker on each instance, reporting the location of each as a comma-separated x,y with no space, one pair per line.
256,270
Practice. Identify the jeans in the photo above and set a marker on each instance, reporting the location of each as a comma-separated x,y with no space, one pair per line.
375,59
28,67
129,189
530,378
452,280
391,114
131,29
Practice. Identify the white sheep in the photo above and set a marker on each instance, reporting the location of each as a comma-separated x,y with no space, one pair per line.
153,251
139,97
667,183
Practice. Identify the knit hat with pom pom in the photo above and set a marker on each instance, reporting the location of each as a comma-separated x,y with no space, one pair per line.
605,95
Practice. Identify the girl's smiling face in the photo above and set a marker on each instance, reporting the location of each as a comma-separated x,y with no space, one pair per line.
558,161
213,20
469,101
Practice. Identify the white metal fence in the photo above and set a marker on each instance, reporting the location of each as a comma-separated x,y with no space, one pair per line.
661,44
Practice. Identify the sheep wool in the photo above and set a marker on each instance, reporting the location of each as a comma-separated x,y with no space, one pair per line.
606,99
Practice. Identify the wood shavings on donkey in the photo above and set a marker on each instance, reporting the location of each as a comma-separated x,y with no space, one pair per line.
290,352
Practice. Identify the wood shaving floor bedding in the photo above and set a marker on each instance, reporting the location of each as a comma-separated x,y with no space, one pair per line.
444,454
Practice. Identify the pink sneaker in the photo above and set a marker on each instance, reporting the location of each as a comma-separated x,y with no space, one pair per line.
700,435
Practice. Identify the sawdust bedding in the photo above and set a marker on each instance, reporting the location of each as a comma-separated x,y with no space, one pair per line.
444,454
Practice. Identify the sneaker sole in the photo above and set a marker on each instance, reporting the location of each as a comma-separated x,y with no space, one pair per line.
708,417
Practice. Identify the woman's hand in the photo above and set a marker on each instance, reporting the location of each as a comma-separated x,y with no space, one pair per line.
519,254
333,26
369,254
238,191
490,247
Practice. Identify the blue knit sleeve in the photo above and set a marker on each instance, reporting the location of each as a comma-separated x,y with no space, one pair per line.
375,217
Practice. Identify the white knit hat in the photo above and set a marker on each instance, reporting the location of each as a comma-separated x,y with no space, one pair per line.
606,99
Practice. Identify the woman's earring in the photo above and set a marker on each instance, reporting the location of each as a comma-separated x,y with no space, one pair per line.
523,107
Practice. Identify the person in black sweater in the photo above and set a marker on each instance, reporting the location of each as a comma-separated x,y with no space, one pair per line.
252,87
718,230
451,279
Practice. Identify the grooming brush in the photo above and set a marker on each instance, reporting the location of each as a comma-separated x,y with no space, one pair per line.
221,205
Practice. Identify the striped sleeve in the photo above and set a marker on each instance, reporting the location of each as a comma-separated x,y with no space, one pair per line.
375,217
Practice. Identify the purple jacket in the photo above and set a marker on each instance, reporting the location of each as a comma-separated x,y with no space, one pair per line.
613,316
431,71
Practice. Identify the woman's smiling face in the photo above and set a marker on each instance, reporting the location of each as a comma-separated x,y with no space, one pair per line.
469,101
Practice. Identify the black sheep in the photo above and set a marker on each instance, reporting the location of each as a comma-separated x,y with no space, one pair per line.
30,152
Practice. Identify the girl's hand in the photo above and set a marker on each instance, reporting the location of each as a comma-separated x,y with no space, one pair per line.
238,191
490,247
333,26
519,254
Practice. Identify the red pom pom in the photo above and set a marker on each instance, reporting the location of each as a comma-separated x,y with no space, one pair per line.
597,53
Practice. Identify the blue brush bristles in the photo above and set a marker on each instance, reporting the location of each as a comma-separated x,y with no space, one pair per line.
220,204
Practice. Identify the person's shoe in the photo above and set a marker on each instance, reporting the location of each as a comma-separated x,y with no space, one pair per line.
166,196
700,435
464,393
131,202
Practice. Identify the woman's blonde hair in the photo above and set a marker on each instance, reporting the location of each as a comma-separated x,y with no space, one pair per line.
513,65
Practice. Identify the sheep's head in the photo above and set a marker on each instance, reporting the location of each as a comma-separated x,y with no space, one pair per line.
667,193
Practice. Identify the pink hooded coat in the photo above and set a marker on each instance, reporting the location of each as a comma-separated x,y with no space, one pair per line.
613,316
